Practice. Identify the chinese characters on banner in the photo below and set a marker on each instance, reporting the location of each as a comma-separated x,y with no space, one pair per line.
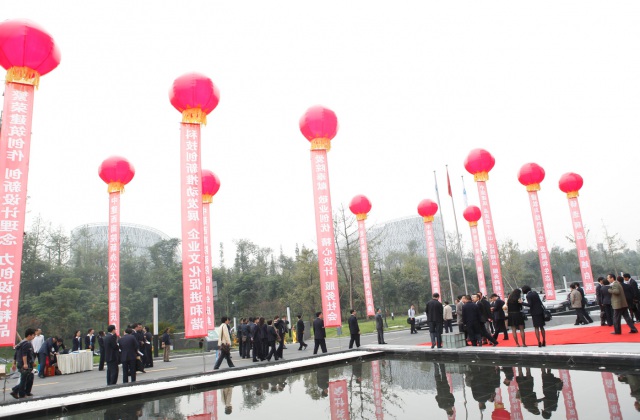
377,389
15,143
325,239
364,257
477,253
339,400
612,396
541,242
581,245
193,289
208,277
490,238
514,401
114,259
432,257
567,395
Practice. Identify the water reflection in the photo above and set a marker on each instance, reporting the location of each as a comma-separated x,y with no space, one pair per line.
400,389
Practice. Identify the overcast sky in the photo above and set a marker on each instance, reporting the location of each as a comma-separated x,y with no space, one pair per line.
415,85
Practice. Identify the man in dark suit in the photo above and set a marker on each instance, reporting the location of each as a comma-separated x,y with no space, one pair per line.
281,328
112,355
129,347
319,334
486,318
380,327
484,333
354,330
471,320
498,317
633,304
435,320
300,332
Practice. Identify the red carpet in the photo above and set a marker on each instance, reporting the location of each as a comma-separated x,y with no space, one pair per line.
577,335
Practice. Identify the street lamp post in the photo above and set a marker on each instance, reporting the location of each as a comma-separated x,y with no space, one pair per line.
384,311
155,325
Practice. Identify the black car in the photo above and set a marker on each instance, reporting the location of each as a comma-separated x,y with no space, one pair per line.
421,320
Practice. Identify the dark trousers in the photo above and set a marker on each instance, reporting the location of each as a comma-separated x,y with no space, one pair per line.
280,348
355,338
413,326
257,351
221,356
300,337
585,314
633,311
617,321
435,330
26,383
272,351
101,364
148,355
473,333
112,373
319,342
608,314
42,362
500,327
448,327
128,369
485,334
380,336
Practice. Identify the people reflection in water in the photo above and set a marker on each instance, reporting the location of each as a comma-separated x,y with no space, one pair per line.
226,397
124,412
444,397
551,387
483,381
322,378
356,372
634,385
526,393
508,375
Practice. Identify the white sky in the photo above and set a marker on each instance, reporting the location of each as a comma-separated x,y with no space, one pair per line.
415,85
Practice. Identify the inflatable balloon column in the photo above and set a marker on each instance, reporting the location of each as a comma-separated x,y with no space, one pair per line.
27,52
117,172
210,186
570,183
360,206
478,163
195,96
319,125
427,209
472,214
531,175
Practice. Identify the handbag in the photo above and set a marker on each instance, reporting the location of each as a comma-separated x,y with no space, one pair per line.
547,315
409,320
225,348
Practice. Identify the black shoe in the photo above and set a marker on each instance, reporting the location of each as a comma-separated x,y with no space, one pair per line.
494,344
41,376
29,395
615,333
305,346
633,331
14,395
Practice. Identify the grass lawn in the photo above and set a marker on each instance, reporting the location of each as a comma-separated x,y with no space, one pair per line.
369,326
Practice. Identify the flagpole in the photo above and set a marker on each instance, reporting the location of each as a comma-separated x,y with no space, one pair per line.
455,218
444,235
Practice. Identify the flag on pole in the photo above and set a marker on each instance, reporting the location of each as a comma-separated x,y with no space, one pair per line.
449,184
464,194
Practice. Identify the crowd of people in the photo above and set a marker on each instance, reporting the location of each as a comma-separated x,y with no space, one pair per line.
618,297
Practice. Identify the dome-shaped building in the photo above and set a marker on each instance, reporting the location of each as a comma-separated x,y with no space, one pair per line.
134,238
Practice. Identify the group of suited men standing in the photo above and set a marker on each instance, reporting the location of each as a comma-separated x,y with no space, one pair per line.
132,350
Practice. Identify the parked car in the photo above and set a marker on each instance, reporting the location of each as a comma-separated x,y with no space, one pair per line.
421,320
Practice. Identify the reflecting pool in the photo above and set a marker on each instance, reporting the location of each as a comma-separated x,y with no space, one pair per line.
402,388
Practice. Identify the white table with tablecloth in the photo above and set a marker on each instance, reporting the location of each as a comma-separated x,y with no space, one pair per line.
75,362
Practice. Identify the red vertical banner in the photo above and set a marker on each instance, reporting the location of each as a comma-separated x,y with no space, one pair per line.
208,277
339,400
193,285
571,412
432,256
541,243
15,144
581,245
514,402
114,259
477,254
211,404
612,396
490,238
450,381
377,389
364,257
325,239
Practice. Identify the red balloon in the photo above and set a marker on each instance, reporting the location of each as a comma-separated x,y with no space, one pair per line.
472,214
530,173
319,122
116,169
479,160
25,44
210,183
570,182
194,90
360,205
427,208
